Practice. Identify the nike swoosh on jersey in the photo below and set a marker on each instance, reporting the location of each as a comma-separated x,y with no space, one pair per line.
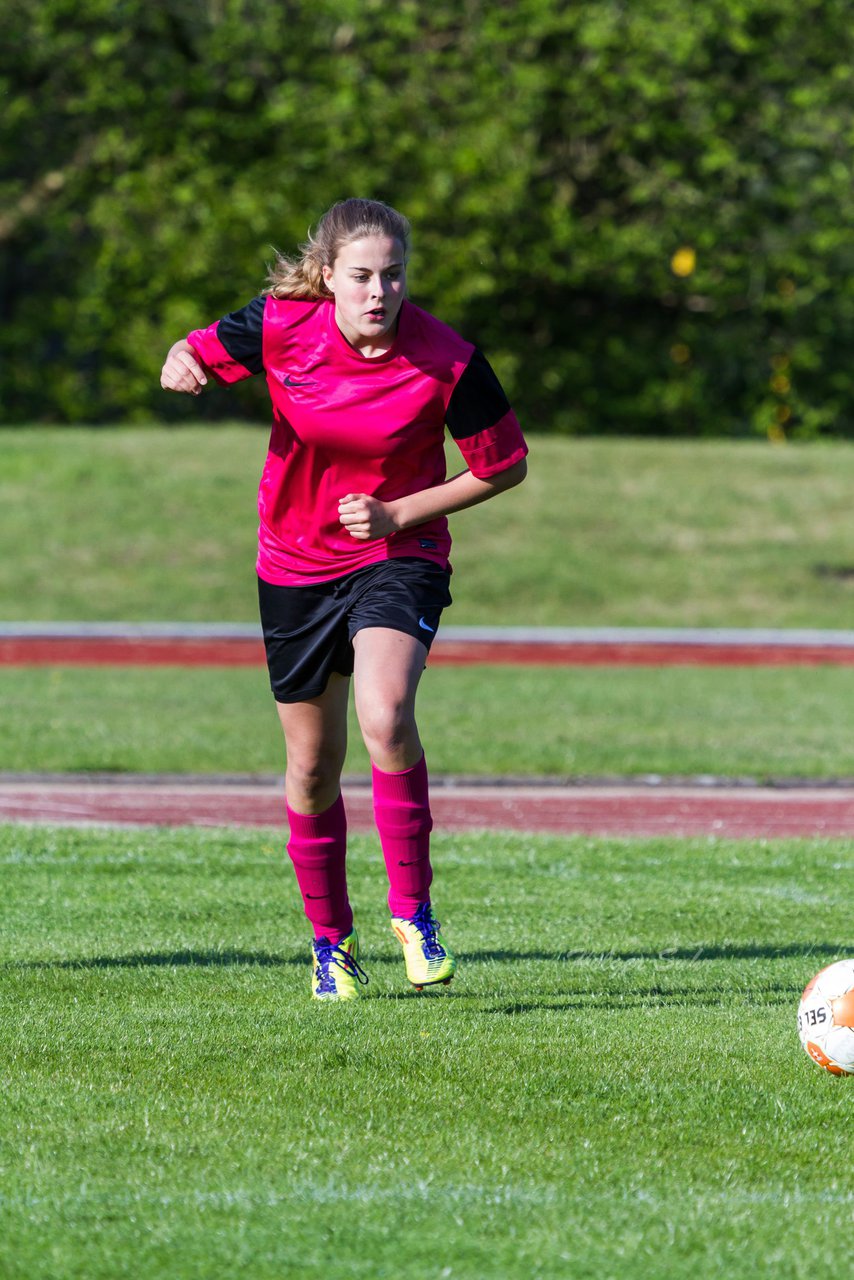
423,624
289,382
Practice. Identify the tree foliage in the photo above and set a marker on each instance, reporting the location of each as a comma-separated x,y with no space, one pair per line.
642,212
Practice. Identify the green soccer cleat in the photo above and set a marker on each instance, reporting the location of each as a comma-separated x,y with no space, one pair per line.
335,969
428,960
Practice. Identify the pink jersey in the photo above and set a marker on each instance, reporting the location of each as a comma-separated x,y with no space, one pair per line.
344,423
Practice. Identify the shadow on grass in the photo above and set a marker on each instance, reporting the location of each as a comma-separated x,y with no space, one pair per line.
654,997
441,992
821,950
609,1006
620,1001
164,959
202,959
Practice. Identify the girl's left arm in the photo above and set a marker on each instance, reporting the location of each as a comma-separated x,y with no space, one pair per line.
366,518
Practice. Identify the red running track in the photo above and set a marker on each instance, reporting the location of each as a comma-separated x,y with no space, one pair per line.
18,651
624,810
611,810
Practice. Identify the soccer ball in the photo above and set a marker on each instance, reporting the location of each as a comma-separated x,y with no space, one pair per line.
826,1018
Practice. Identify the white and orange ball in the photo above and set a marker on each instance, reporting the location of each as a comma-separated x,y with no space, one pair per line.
826,1018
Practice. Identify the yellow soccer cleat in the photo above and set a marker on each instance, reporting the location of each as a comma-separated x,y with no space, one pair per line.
428,960
335,969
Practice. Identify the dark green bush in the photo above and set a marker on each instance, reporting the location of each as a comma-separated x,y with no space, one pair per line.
554,157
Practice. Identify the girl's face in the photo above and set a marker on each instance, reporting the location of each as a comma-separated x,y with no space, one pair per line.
368,282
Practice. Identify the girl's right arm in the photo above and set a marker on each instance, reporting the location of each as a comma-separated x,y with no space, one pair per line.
182,370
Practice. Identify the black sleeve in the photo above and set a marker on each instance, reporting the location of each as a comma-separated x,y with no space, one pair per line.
240,332
477,401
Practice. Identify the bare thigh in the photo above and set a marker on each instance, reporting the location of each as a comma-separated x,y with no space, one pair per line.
389,664
316,744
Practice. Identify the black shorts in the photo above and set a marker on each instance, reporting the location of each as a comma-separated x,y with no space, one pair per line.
308,631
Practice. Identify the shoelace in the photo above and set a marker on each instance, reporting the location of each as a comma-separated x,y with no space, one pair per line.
328,953
423,920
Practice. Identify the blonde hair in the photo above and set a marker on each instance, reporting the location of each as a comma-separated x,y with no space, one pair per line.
354,219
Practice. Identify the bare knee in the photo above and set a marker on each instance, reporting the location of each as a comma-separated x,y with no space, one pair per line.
313,780
316,744
390,734
311,788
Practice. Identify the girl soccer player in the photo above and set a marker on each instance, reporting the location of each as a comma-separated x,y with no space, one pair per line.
352,563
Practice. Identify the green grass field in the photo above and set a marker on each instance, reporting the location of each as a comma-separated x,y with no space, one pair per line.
134,523
612,1087
158,524
755,722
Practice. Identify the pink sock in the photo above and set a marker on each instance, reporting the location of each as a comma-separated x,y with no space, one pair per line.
402,812
318,848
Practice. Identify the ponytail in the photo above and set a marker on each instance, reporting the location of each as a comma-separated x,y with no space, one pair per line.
299,278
